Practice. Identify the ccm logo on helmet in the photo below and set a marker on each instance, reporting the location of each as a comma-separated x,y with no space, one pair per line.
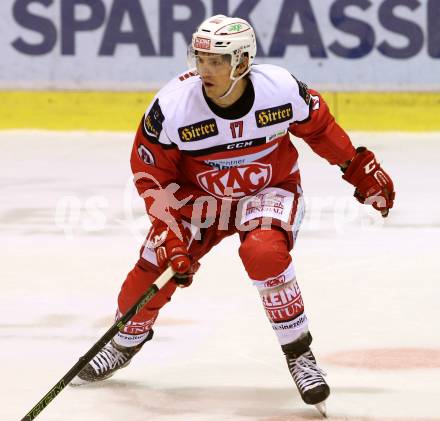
274,115
202,43
198,131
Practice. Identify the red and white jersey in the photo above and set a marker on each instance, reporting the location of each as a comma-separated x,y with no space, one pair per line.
183,139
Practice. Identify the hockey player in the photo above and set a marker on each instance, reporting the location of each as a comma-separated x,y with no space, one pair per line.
213,157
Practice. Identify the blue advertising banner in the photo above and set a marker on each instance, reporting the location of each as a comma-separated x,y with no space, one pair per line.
140,44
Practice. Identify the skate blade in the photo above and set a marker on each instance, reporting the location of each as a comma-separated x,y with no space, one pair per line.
77,381
321,407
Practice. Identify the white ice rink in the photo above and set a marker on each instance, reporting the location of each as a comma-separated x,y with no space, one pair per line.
70,229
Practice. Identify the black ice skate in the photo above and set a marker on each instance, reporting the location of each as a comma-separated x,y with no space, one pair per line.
307,375
110,358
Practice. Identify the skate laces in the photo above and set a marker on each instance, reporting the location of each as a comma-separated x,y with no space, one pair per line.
306,372
108,358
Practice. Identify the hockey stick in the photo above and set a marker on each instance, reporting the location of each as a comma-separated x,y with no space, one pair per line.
86,358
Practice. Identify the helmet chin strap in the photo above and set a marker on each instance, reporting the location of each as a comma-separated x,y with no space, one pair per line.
231,88
234,81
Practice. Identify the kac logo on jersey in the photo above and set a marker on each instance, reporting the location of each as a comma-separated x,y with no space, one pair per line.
198,131
274,115
237,182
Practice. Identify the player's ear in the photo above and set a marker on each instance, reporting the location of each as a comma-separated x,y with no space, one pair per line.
242,67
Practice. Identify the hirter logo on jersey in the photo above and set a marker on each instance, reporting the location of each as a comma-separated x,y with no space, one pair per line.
274,115
237,182
198,131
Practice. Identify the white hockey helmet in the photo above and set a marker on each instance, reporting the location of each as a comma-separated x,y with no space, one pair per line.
221,34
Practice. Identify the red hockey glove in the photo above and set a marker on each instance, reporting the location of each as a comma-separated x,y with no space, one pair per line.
171,246
372,184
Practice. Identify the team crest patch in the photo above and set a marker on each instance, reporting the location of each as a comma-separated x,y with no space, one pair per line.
153,120
274,115
198,131
146,155
303,90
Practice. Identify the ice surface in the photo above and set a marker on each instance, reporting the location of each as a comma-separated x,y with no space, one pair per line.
70,229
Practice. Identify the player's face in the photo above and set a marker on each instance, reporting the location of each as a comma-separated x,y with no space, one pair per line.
215,70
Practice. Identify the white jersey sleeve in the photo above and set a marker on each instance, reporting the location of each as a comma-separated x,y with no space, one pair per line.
277,82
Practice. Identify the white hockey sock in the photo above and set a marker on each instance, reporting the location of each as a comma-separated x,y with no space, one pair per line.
282,301
127,340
